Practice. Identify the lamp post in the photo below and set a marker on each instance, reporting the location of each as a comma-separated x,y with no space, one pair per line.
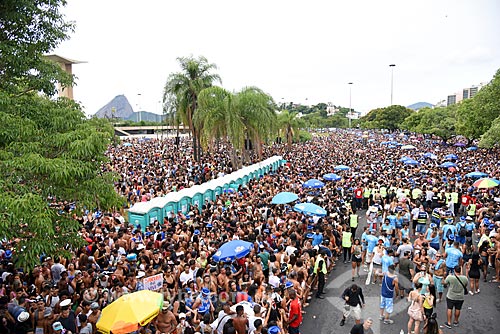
350,110
392,78
139,106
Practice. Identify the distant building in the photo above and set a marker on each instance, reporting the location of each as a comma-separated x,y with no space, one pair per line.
67,65
466,93
331,109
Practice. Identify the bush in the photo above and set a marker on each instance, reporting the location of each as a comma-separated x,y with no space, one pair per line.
304,136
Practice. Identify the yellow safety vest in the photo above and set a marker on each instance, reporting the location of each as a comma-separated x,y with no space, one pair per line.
354,220
454,197
448,197
323,267
472,210
367,193
383,192
346,239
415,193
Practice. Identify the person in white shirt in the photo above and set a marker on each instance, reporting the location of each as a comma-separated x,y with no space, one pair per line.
186,275
224,315
274,279
251,319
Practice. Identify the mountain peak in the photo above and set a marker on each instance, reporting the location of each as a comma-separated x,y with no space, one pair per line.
118,107
420,105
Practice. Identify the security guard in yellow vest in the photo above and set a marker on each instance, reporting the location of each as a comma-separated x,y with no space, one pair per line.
367,192
471,210
320,271
346,245
353,222
454,200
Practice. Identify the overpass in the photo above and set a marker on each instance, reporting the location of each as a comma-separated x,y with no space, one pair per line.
125,131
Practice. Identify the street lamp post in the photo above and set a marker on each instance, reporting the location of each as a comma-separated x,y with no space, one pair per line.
392,78
139,106
350,110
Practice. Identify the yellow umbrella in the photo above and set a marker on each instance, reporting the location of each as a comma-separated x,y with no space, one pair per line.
129,312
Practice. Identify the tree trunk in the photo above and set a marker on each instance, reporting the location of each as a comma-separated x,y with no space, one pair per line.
234,159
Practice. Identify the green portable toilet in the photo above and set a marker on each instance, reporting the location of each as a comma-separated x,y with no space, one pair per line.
197,200
209,194
184,204
218,190
168,208
245,179
155,214
138,218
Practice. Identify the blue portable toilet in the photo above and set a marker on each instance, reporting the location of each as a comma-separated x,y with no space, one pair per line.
197,200
209,194
168,208
138,219
184,204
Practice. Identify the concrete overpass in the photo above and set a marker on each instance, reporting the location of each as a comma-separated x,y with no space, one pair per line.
125,131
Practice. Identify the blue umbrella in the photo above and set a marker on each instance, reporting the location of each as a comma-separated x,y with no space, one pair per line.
448,164
393,142
476,174
127,144
430,155
332,177
460,144
341,167
411,162
232,250
391,146
384,142
310,209
451,157
403,159
313,183
284,197
472,148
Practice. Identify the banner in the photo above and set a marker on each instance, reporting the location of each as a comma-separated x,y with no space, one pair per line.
153,282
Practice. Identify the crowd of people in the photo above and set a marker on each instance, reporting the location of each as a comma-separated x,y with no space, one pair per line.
425,227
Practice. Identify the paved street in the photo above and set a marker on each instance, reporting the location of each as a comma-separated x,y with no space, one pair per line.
480,313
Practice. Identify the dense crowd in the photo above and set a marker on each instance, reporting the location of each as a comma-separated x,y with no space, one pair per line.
424,223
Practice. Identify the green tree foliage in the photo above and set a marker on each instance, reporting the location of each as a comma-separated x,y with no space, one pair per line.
390,118
182,90
475,116
440,122
246,115
289,124
28,30
49,151
491,138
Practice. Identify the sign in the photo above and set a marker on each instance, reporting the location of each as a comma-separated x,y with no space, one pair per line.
153,282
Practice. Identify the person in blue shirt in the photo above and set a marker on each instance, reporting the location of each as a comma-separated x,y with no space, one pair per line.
461,231
364,244
317,238
453,257
448,230
470,226
432,236
392,220
387,260
372,241
386,227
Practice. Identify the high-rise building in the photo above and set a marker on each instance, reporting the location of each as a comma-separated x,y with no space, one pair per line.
452,99
466,93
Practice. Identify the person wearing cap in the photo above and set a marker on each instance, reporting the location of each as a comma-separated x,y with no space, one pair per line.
58,328
165,322
94,316
67,317
273,330
432,236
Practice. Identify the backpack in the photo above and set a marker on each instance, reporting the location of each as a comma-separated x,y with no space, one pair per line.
462,231
449,232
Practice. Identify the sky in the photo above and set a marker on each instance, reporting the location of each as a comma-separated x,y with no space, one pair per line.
297,51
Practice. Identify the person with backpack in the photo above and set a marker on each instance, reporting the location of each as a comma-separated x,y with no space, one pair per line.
461,231
449,230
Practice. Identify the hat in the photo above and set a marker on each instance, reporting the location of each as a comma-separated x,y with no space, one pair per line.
309,235
166,305
380,240
94,306
209,225
432,225
65,303
47,311
140,274
23,316
57,326
78,272
266,230
141,246
205,291
468,218
202,309
196,232
182,315
451,237
132,257
372,231
462,218
491,226
288,284
273,330
8,254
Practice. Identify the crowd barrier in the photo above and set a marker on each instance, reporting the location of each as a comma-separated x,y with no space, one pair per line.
144,213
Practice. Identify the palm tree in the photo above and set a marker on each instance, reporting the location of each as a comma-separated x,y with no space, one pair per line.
289,123
185,86
247,115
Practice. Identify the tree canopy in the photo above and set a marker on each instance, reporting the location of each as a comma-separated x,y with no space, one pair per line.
50,154
390,118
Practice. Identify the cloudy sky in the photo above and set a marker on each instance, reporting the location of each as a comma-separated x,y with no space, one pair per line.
300,51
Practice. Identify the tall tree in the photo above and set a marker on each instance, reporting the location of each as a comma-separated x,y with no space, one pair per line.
246,115
50,154
390,118
28,30
289,123
491,138
195,75
476,115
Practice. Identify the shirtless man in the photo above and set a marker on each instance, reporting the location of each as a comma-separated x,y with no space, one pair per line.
223,279
165,322
240,322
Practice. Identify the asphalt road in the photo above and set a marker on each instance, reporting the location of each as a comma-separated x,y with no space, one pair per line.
480,313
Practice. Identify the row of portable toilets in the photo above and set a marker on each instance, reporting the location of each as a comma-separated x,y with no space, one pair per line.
144,213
